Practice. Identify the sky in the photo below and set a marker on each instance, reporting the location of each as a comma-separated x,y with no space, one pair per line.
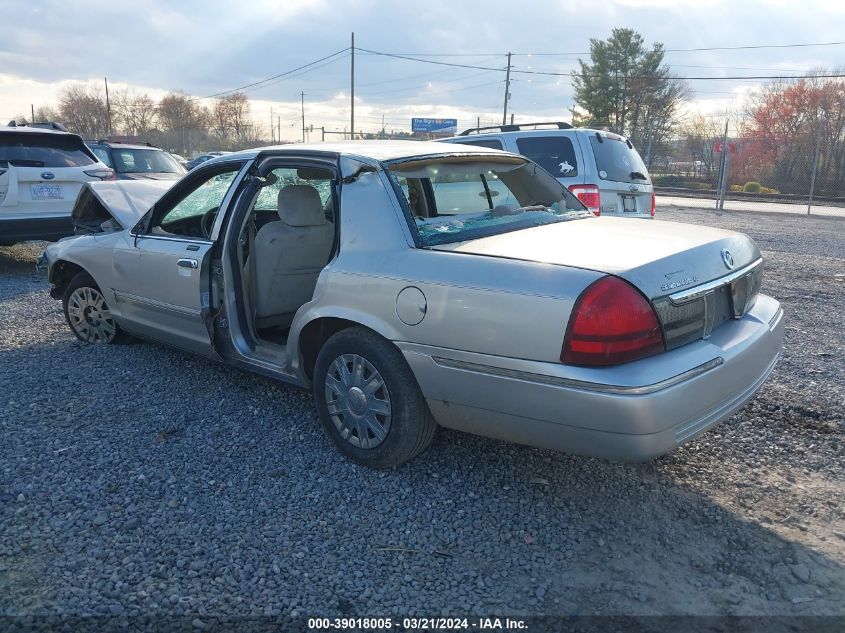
205,47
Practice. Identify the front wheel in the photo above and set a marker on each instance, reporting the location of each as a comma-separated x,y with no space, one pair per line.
369,401
87,313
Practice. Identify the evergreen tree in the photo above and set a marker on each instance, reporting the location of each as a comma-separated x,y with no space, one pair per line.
627,89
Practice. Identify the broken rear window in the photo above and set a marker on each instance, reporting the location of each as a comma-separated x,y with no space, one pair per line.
459,198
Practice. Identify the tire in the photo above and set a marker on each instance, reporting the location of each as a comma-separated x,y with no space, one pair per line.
87,313
386,422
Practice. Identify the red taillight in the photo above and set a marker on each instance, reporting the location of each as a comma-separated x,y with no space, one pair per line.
102,174
652,203
589,196
611,323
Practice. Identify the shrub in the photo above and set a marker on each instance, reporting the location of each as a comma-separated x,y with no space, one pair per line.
736,187
768,190
752,187
668,180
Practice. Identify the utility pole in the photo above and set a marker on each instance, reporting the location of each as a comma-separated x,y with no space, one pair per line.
723,171
302,101
32,109
507,91
108,106
352,89
272,128
478,122
279,127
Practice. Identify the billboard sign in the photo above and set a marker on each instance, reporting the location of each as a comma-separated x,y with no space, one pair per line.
434,126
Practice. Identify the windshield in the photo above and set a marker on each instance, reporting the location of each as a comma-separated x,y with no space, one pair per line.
43,150
467,197
102,154
141,161
616,161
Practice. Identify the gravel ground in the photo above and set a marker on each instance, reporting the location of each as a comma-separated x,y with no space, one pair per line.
136,479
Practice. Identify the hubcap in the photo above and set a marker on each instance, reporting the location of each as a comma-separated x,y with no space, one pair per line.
358,401
89,315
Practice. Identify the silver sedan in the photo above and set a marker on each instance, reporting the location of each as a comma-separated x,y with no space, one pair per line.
414,284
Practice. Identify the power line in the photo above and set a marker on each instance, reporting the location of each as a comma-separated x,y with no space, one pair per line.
279,76
569,74
418,87
304,72
409,77
438,93
666,50
701,49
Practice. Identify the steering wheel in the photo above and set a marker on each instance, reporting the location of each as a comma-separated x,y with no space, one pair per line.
207,221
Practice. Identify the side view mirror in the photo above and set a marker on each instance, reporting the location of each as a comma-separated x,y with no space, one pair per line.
143,224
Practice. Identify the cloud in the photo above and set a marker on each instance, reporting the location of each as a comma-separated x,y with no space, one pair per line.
206,47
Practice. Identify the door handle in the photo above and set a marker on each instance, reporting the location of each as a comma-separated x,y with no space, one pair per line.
187,263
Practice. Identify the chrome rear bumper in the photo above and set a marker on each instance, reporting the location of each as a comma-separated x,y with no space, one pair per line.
635,411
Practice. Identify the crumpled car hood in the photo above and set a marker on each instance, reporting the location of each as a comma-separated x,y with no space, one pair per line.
125,200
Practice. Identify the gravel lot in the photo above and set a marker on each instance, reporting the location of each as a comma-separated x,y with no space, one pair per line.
136,479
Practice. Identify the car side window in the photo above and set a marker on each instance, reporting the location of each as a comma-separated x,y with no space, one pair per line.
459,193
469,193
194,213
492,143
555,154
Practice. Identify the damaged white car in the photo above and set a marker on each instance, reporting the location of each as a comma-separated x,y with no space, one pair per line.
414,284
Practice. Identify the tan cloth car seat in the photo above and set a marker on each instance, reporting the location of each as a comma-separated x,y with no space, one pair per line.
289,255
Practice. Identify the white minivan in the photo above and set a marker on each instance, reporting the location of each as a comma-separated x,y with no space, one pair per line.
602,169
41,173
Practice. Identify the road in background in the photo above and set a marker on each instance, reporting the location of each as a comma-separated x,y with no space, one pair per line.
745,205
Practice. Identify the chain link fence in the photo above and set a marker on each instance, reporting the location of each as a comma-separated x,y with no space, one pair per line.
802,174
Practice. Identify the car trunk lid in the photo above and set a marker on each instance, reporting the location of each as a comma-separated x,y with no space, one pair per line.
696,278
659,258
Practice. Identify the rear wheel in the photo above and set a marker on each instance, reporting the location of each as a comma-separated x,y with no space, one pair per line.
369,401
87,313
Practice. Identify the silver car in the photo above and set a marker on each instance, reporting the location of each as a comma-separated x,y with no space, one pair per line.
387,278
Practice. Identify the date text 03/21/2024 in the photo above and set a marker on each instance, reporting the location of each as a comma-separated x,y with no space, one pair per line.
414,624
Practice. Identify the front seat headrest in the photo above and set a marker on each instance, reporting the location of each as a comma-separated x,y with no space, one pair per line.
300,205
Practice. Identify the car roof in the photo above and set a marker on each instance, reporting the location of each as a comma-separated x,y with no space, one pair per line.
367,150
118,144
520,133
25,129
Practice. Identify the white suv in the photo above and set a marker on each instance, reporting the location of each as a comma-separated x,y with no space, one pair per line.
602,169
41,173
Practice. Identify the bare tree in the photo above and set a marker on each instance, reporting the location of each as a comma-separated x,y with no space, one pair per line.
47,113
699,135
181,120
231,121
134,112
82,108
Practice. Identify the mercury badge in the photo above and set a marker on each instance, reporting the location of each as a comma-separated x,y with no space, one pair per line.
727,258
678,283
